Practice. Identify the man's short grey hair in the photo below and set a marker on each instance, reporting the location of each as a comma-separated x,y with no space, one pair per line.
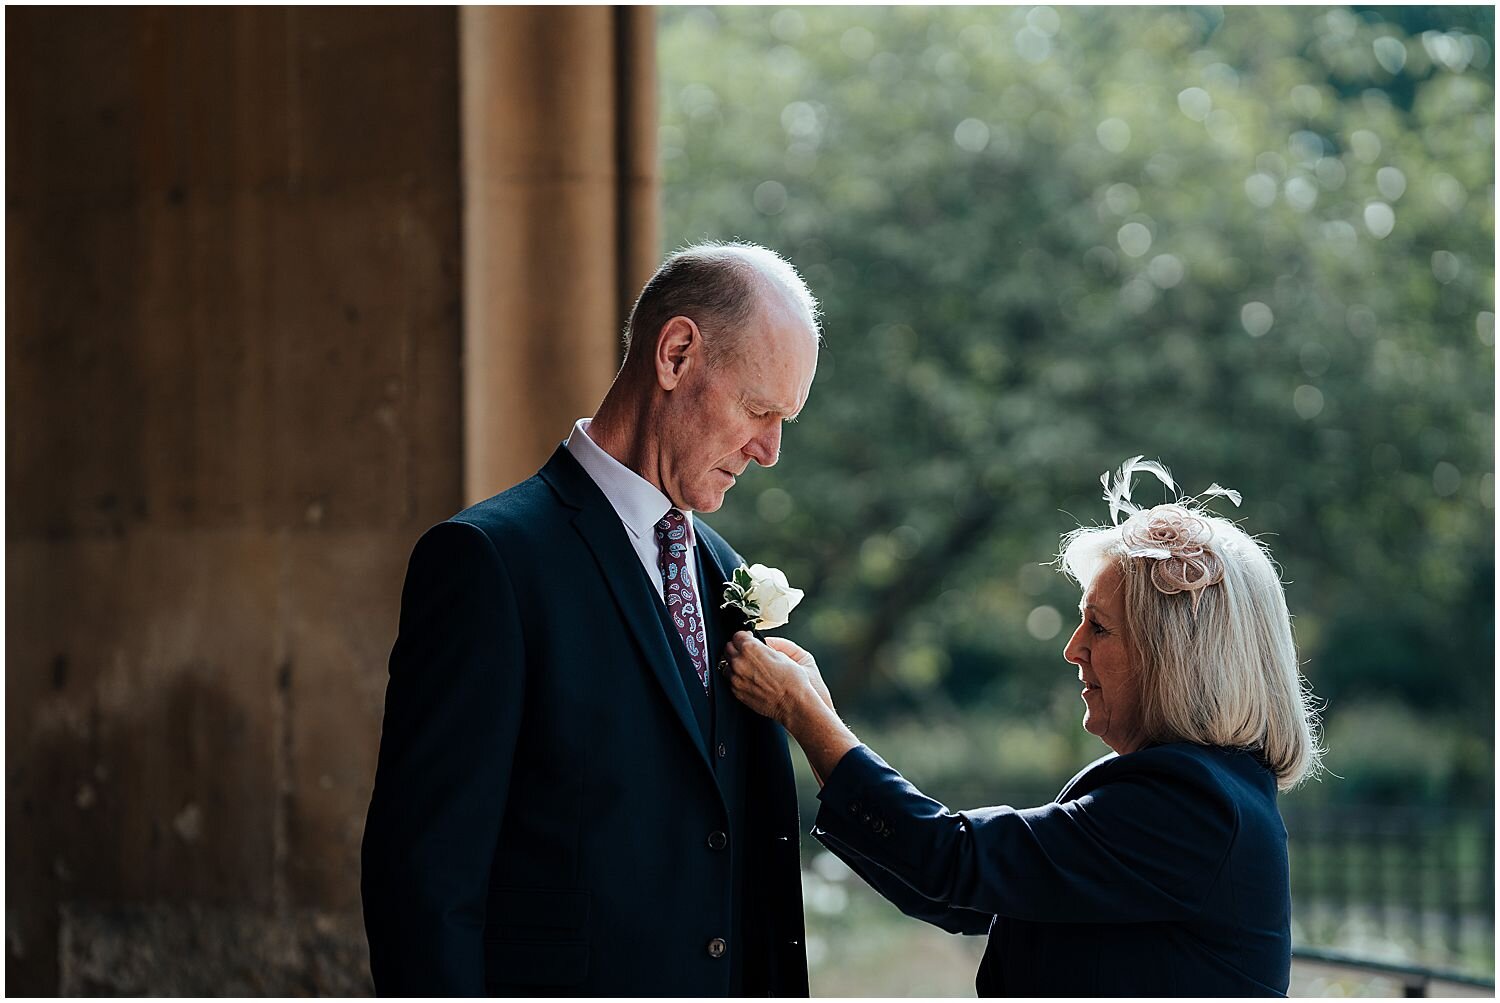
719,286
1226,675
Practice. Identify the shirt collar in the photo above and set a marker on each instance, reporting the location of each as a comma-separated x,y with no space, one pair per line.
636,500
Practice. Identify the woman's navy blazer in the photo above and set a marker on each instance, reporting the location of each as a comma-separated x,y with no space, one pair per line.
1158,873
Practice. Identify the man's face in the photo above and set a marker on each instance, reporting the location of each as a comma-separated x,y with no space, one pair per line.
732,415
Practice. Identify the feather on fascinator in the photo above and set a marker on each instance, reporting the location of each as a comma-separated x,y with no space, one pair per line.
1173,535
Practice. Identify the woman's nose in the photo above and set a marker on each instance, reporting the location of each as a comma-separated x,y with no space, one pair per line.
1075,651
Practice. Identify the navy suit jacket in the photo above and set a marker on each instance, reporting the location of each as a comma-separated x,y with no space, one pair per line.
1158,873
558,806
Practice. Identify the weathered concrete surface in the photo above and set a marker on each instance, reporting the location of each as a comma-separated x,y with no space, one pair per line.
233,402
196,951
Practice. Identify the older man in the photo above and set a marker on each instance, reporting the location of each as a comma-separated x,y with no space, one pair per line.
568,799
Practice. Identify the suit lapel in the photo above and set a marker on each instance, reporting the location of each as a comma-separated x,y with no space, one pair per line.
716,560
633,592
719,558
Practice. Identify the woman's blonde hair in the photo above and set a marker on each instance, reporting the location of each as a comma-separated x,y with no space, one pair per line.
1217,663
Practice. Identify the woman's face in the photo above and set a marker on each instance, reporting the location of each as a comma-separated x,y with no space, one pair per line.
1101,650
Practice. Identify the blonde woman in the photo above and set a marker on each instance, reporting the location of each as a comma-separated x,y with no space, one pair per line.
1161,869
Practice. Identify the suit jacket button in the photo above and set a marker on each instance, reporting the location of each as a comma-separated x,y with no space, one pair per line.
723,750
717,841
717,947
854,807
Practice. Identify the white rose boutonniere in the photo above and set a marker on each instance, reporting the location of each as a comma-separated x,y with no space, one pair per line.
762,594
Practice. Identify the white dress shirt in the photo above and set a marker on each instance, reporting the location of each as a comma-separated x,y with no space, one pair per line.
636,501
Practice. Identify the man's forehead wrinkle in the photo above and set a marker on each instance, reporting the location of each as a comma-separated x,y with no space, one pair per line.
765,404
762,403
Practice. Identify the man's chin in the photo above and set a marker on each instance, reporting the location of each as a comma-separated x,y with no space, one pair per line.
710,499
711,504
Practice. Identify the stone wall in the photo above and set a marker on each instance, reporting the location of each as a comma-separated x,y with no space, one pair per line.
233,401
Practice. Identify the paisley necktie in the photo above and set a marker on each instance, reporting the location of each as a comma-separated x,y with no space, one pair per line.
677,589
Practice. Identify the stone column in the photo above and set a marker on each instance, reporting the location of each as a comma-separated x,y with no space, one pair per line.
560,220
264,325
232,383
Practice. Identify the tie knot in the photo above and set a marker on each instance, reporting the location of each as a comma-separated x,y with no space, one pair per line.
672,526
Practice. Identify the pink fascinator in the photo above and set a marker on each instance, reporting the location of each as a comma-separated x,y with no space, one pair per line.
1173,535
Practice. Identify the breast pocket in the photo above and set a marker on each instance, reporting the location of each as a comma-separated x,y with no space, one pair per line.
536,937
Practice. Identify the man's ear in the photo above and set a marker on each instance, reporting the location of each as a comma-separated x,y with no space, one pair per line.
679,347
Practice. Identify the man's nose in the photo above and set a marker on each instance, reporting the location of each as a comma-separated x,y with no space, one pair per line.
765,448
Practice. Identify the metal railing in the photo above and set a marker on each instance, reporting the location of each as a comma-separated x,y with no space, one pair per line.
1374,884
1416,980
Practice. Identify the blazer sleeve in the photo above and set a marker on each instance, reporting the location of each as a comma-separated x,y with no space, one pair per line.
901,895
452,713
1146,845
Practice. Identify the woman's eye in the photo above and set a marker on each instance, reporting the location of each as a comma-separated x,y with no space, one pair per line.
1097,628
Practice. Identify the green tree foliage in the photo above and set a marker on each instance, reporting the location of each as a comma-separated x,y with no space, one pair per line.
1255,242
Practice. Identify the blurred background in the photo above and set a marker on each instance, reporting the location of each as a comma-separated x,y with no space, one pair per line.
285,286
1255,242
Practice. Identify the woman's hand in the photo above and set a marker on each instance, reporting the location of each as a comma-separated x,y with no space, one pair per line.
781,681
775,680
804,658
